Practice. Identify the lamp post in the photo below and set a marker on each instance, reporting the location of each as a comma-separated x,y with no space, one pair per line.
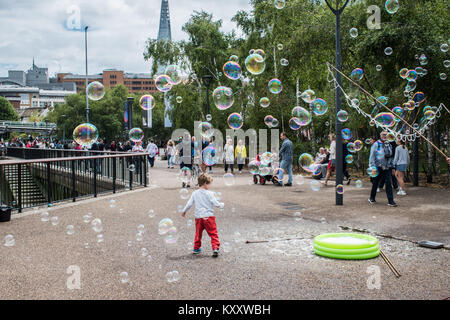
87,81
64,128
207,80
339,152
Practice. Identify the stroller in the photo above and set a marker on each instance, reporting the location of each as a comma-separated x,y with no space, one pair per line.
262,179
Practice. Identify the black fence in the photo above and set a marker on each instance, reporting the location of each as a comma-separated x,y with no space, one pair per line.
30,183
35,153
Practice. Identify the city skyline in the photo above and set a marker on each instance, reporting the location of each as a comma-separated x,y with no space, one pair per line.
118,45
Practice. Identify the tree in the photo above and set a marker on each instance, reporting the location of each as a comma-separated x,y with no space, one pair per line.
7,111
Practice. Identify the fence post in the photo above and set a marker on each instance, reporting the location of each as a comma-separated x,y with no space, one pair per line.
19,189
131,174
95,178
74,192
114,174
49,188
145,171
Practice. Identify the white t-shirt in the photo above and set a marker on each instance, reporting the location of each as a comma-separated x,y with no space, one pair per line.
204,201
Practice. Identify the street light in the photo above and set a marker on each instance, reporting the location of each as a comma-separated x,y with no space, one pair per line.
64,128
207,80
339,152
87,81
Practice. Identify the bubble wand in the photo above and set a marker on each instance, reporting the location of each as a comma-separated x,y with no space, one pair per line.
371,96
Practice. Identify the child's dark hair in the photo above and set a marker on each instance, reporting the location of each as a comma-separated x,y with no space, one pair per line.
204,179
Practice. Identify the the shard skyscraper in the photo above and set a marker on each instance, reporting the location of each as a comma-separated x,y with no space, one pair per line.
164,34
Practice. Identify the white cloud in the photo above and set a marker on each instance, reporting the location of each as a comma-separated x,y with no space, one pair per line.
117,33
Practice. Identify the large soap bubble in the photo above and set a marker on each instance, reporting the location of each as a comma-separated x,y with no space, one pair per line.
235,121
206,129
163,83
95,91
385,119
255,64
223,97
174,74
136,134
85,134
303,115
319,107
275,86
308,96
232,70
147,102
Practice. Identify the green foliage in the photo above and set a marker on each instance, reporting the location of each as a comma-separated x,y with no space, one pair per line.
7,111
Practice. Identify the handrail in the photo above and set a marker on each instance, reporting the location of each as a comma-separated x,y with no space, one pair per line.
45,160
69,150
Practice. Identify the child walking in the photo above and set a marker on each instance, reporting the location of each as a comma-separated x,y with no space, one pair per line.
204,201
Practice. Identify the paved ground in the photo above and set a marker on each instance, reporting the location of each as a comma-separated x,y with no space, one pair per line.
35,267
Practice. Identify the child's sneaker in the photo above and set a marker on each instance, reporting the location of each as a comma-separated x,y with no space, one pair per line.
197,251
215,253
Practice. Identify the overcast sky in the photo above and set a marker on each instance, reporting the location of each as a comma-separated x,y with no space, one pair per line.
118,31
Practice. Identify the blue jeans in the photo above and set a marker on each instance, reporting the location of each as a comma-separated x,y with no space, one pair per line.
169,163
286,165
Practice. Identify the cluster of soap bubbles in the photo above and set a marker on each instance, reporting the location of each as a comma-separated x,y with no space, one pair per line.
271,121
167,229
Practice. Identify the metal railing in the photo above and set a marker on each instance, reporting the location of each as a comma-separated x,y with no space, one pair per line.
36,153
30,183
10,126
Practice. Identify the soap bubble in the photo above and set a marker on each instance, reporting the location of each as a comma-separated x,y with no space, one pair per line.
95,91
264,170
174,74
163,83
399,112
139,236
379,68
87,218
255,64
136,134
299,179
392,6
274,123
124,278
70,229
227,247
100,238
171,236
357,74
319,107
403,72
280,46
349,159
206,130
275,86
443,76
141,228
295,123
179,99
147,102
351,148
390,137
209,156
54,221
232,70
235,121
9,241
444,47
388,51
184,193
261,53
279,4
228,179
411,75
306,162
383,100
447,63
164,226
353,32
234,58
172,276
423,60
131,168
429,114
85,134
253,167
284,62
308,96
223,97
315,185
97,225
346,134
144,252
267,158
358,145
268,120
45,216
358,184
342,116
368,141
303,115
372,172
264,102
385,119
340,189
208,117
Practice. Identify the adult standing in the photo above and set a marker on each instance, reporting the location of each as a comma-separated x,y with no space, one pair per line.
241,155
286,154
170,151
186,151
332,162
345,153
152,150
381,158
229,155
401,163
137,160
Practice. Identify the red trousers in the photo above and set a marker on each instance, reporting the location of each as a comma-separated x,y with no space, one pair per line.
208,224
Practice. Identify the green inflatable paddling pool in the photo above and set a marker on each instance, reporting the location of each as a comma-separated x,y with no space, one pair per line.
349,246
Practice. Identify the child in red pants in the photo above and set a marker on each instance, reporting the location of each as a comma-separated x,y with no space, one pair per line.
204,201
